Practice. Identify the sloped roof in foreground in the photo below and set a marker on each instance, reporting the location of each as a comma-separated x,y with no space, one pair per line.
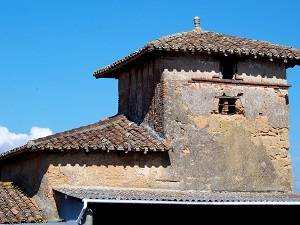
113,133
164,196
16,207
198,40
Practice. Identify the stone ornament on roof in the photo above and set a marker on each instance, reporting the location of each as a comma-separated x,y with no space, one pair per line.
197,24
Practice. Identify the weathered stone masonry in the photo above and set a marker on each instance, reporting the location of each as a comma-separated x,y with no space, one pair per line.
245,151
141,94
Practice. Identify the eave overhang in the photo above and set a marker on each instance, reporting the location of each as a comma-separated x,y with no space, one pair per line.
205,42
115,133
177,197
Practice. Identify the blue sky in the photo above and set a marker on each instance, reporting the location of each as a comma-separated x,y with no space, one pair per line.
50,49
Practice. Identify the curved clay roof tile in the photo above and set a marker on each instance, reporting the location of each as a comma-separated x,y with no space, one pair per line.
207,42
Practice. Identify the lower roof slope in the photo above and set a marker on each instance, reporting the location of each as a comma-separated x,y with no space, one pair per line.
113,133
16,207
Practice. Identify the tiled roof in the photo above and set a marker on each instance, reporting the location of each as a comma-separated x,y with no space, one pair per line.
113,133
176,196
198,40
16,207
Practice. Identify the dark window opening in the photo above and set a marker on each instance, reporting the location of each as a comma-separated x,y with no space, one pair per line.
227,105
286,99
228,68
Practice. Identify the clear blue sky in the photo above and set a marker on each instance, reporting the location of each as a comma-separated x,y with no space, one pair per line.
50,49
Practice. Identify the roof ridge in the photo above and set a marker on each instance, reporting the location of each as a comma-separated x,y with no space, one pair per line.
203,32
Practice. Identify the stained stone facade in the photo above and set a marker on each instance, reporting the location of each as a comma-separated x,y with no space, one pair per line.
243,149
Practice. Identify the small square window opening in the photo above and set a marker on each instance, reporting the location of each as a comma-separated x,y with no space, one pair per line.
227,105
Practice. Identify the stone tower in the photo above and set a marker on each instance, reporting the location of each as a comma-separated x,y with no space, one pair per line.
222,103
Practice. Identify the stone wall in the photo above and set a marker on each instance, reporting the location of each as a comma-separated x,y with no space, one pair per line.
30,173
243,151
262,71
99,168
38,173
140,94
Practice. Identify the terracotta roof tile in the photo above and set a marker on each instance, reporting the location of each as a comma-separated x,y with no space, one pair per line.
114,133
197,40
16,207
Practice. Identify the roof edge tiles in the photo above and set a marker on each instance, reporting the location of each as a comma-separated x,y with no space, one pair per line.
16,207
198,40
113,133
164,196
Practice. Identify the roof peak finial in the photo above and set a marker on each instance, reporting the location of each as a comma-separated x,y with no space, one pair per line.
197,22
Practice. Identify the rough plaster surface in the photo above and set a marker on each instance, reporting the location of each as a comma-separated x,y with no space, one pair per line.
258,71
106,169
96,168
247,151
30,173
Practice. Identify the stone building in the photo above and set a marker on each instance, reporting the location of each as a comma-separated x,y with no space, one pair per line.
202,126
